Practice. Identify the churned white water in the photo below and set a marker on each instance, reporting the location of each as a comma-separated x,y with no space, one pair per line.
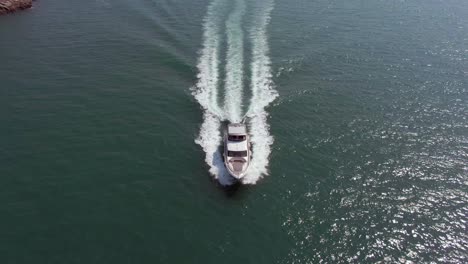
234,64
263,94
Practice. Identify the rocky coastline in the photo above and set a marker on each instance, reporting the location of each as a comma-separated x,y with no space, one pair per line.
9,6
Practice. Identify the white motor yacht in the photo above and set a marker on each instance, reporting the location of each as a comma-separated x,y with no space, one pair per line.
236,150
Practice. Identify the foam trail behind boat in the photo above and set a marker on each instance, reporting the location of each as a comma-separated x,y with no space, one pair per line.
206,92
263,93
234,63
206,89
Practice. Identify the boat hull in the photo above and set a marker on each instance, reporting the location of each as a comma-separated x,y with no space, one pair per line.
236,150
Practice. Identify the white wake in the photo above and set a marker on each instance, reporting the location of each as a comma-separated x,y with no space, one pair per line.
206,93
234,64
263,93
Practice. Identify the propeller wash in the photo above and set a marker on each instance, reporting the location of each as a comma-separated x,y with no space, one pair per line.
226,37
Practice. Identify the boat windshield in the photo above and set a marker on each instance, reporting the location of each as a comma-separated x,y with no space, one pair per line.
236,138
237,153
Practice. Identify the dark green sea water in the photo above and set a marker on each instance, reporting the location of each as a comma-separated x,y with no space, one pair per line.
98,128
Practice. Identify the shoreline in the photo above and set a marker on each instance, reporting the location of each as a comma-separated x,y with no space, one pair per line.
10,6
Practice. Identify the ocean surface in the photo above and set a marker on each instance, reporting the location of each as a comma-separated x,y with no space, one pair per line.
111,115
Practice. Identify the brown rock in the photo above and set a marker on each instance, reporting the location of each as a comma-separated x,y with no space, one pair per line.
8,6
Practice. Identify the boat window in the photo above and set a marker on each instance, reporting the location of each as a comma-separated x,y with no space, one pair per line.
236,138
237,153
